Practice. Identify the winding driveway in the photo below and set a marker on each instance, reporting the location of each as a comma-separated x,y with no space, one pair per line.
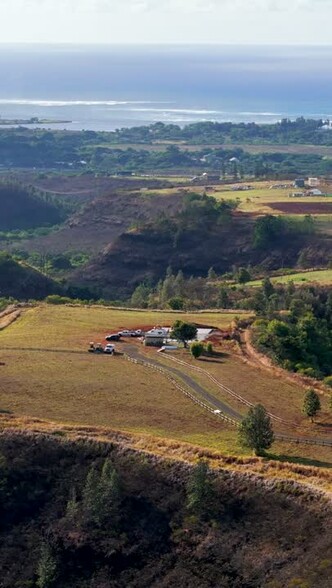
133,352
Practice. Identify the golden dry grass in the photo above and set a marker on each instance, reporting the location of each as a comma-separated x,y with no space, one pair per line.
264,469
48,374
72,327
260,199
280,397
40,380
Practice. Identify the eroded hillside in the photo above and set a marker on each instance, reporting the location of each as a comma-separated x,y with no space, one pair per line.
85,514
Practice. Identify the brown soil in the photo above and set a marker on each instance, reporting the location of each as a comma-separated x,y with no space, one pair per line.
302,207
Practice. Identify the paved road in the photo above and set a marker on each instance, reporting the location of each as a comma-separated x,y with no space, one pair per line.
133,352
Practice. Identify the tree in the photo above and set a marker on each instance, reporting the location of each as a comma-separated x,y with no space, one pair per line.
200,491
311,404
196,349
183,332
211,274
256,430
72,506
223,298
176,303
243,276
140,296
91,496
179,284
47,568
268,288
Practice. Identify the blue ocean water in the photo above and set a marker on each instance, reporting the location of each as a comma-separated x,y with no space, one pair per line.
104,88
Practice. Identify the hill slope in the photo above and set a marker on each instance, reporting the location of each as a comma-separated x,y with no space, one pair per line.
144,254
22,281
87,515
22,208
103,219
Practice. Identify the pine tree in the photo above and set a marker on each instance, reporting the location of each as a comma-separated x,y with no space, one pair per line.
256,430
91,496
47,568
168,289
109,488
179,284
72,506
200,491
311,404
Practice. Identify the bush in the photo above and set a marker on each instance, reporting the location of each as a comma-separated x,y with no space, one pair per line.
328,381
209,348
57,299
176,303
196,349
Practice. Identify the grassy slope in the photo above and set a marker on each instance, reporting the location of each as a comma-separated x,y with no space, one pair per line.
320,276
105,391
280,397
88,389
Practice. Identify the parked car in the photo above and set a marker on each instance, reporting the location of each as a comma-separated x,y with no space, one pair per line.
109,348
113,337
127,333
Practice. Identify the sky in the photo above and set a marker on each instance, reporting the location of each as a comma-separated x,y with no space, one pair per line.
167,21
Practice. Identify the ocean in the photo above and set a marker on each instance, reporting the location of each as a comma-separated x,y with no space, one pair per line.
109,87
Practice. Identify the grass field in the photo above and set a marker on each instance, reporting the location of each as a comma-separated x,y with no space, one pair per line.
97,390
279,396
320,276
263,200
47,373
254,149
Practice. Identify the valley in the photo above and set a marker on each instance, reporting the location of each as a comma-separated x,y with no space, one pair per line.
135,460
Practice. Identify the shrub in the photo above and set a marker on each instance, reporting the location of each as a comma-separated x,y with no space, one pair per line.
328,381
209,348
196,349
57,299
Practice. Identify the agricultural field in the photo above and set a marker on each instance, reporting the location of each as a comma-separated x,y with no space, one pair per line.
264,200
319,276
59,381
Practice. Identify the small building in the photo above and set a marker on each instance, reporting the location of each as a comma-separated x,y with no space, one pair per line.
313,182
299,183
297,195
155,337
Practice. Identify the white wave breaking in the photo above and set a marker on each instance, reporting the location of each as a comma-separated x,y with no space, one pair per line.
28,102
